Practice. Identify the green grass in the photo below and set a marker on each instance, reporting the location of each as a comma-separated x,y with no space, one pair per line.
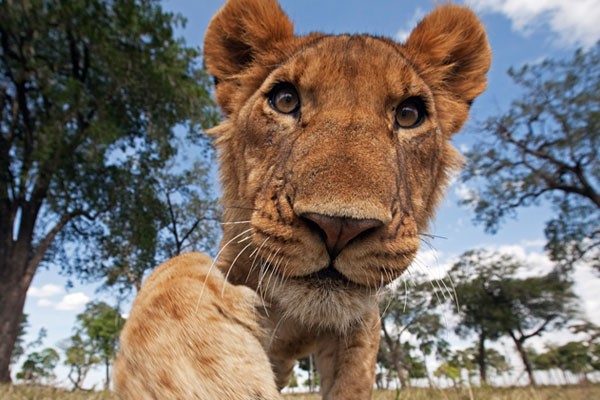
580,392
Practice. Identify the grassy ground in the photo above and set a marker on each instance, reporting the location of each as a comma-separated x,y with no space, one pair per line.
543,393
588,392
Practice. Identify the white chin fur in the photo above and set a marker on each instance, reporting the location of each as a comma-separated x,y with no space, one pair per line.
323,305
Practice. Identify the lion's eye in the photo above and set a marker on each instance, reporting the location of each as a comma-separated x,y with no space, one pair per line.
284,98
410,113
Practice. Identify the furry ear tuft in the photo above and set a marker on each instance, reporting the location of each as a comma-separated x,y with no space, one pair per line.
240,32
451,50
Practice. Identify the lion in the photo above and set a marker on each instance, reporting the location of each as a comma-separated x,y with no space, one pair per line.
334,153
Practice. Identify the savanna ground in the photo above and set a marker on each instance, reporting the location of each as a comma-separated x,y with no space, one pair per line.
579,392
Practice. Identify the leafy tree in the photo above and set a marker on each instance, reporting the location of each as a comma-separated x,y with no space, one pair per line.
589,329
450,370
162,215
39,366
100,324
19,348
475,307
577,357
545,148
89,94
81,355
494,301
455,362
496,362
308,364
500,303
412,313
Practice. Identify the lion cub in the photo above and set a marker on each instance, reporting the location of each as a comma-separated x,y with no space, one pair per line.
334,154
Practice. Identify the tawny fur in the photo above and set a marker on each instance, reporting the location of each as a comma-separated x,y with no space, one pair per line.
340,155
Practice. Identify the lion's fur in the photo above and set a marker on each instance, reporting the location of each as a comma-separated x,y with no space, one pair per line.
340,156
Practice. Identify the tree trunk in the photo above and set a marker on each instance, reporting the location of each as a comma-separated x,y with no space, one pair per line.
427,374
481,359
525,359
400,370
14,282
107,381
311,386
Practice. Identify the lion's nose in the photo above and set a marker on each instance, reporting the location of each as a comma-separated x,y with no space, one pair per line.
339,231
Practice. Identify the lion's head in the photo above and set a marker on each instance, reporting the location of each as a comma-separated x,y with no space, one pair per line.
335,151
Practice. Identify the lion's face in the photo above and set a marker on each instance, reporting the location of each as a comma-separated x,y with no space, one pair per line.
335,152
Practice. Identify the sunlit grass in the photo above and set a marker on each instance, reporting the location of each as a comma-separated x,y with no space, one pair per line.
22,392
587,392
580,392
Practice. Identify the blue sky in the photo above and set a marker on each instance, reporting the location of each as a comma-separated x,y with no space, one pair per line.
520,32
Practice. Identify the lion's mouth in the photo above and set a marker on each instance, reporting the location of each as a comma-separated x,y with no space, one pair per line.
329,275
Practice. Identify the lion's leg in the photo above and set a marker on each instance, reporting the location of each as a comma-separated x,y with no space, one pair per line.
346,364
288,342
193,336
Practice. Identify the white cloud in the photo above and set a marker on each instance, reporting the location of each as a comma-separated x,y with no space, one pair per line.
435,265
72,301
465,193
48,290
431,264
586,287
404,33
575,22
45,303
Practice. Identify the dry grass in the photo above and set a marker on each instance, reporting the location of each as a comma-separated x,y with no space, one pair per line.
587,392
9,392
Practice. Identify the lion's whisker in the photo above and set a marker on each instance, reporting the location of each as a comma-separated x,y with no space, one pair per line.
213,264
273,267
431,236
245,239
232,264
255,255
453,289
263,270
274,332
235,222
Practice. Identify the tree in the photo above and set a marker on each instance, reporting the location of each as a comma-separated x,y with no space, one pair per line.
101,324
578,357
39,366
409,313
455,362
163,214
467,360
533,306
293,382
545,148
494,301
475,308
89,95
19,348
307,364
81,355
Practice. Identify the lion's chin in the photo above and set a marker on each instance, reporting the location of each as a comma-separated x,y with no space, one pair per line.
326,300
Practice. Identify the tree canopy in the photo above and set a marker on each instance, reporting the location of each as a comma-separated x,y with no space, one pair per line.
407,313
495,300
544,148
101,325
90,94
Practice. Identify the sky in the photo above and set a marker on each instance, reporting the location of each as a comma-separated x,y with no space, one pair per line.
520,32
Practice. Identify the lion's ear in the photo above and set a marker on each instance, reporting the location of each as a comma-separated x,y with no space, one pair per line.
451,50
240,33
